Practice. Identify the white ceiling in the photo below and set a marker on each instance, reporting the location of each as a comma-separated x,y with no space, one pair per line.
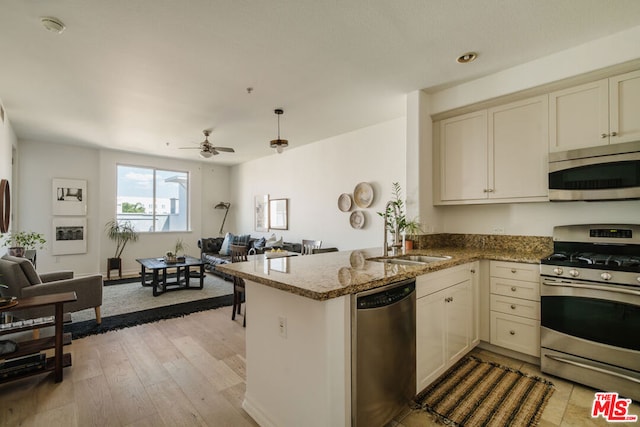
149,75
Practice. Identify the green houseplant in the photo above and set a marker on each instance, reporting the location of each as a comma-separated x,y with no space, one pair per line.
18,243
396,217
172,256
121,232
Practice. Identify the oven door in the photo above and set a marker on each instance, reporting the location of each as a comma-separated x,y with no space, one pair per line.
587,317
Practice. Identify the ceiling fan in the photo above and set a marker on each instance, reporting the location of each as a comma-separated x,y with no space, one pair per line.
206,149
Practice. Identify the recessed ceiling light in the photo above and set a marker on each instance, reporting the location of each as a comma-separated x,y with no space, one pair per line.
52,24
465,58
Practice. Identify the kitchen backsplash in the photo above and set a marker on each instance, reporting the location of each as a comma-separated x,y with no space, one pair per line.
484,241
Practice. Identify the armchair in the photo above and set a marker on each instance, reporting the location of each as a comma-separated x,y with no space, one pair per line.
23,281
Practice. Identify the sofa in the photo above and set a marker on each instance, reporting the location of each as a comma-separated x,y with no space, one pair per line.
22,281
210,248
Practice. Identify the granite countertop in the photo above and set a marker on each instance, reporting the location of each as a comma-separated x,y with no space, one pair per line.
329,275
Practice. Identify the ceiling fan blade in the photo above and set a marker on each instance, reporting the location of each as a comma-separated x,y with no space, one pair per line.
189,148
226,149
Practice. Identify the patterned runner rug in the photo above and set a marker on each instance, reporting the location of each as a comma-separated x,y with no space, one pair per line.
477,393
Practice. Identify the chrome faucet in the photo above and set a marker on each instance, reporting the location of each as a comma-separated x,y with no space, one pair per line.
396,246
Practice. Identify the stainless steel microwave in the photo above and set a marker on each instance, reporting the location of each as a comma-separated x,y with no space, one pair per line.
608,172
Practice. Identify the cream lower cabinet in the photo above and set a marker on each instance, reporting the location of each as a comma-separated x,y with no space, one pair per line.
446,313
515,306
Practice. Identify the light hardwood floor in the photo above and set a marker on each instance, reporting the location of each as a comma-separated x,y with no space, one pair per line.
190,371
186,371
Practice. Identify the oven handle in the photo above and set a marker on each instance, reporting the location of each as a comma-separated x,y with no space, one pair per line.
594,287
593,368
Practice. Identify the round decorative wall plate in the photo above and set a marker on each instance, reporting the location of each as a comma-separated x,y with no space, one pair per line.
357,219
344,202
363,195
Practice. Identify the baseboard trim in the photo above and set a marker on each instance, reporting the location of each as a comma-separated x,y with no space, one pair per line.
509,353
256,413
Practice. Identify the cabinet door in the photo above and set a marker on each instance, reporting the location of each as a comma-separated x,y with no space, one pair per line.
463,157
519,131
459,312
430,339
624,92
579,116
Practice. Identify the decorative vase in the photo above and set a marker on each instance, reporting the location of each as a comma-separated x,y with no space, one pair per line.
17,251
408,245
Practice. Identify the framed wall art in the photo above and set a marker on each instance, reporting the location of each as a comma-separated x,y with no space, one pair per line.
279,214
69,236
69,196
262,213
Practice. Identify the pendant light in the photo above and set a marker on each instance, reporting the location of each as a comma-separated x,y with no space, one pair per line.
279,144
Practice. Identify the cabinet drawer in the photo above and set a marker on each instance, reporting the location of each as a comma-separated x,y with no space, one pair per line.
515,333
516,306
430,283
515,270
515,288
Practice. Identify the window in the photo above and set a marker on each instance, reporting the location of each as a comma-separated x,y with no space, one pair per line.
153,200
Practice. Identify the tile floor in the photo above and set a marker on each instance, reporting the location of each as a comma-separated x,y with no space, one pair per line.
570,404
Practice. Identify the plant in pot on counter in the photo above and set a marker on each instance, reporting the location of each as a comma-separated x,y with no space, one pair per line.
121,232
396,216
22,241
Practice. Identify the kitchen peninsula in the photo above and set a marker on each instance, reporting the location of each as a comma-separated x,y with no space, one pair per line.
298,337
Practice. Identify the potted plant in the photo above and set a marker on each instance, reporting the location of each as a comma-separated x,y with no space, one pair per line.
172,256
120,232
396,217
18,243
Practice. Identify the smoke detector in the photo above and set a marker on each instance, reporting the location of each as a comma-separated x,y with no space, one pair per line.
52,24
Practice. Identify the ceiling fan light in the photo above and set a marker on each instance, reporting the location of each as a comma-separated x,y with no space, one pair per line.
206,154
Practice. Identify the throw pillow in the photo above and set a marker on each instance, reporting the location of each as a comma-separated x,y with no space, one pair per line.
274,244
241,240
226,245
258,244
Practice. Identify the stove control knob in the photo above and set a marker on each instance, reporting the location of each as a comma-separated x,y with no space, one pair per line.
574,273
558,271
605,276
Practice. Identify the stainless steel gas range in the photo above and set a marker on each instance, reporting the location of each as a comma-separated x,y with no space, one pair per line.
590,307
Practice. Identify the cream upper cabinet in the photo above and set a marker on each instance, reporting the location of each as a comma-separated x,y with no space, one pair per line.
597,113
518,153
463,157
481,154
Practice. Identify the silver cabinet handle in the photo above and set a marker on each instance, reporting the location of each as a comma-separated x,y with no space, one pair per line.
603,135
614,133
514,271
513,306
473,270
513,289
512,332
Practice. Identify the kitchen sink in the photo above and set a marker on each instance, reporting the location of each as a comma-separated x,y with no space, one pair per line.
411,259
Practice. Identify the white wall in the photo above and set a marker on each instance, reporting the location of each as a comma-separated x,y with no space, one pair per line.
314,175
41,162
7,142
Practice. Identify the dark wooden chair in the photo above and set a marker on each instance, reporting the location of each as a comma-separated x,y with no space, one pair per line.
238,254
309,245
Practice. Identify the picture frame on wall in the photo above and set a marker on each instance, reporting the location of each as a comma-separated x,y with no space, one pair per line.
69,196
69,236
262,213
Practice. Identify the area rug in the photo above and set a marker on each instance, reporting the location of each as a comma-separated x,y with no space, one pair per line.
477,393
129,303
120,321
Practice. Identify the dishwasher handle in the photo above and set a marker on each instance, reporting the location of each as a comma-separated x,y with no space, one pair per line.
386,297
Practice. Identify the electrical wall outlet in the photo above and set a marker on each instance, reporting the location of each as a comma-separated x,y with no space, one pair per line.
282,326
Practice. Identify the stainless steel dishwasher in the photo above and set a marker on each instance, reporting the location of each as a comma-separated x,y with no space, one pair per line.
383,353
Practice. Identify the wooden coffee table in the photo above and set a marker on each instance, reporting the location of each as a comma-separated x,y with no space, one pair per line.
159,267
